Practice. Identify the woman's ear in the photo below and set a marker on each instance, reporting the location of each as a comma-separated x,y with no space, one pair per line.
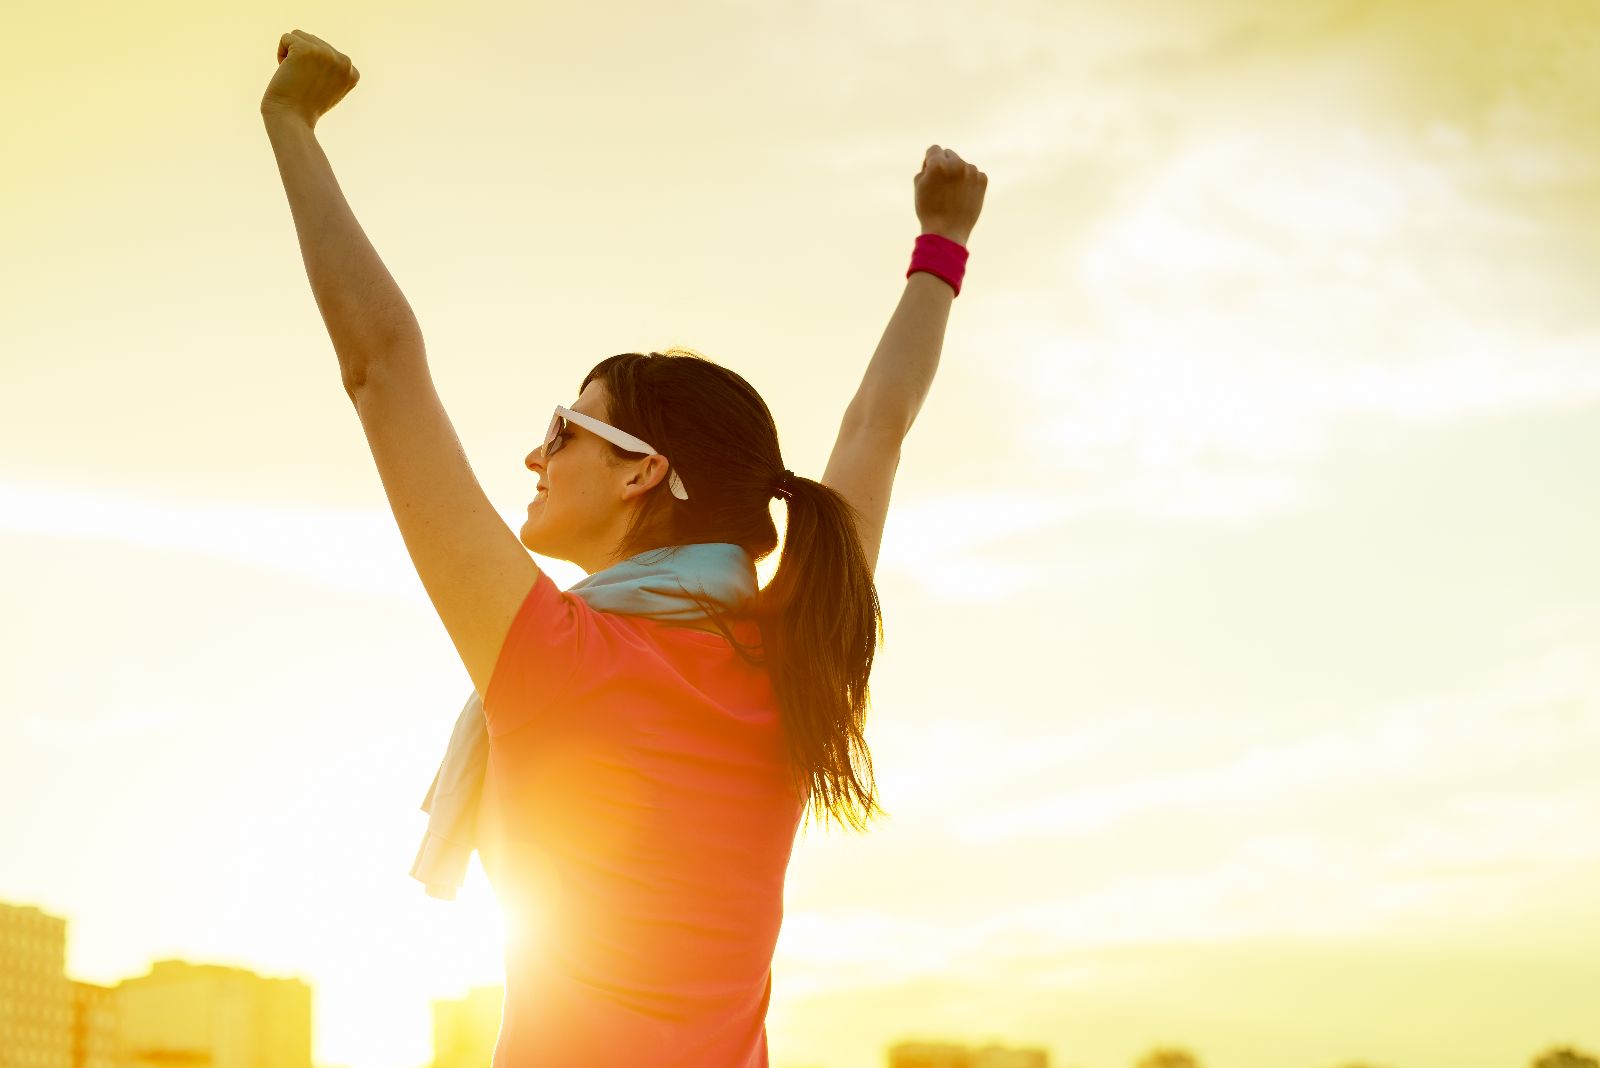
652,471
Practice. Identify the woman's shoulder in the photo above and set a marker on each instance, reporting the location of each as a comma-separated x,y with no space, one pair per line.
705,626
745,629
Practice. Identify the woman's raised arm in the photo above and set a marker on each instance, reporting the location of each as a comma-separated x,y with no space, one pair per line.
948,198
866,455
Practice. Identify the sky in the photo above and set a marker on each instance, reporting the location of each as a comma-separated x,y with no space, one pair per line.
1240,686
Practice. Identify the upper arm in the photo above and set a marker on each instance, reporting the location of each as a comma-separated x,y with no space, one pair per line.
862,468
474,568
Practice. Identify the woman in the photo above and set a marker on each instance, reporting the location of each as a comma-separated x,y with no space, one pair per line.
657,732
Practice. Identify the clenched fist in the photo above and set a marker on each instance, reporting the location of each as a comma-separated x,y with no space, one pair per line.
312,77
949,194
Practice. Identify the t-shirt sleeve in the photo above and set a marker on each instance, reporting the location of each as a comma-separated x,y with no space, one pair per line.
541,655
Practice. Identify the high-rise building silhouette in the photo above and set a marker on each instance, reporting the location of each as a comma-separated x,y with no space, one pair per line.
35,997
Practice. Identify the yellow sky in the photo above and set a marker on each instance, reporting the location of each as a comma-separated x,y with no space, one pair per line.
1240,685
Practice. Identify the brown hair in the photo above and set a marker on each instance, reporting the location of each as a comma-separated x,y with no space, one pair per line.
819,617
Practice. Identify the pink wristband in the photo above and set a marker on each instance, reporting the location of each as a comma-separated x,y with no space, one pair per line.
938,255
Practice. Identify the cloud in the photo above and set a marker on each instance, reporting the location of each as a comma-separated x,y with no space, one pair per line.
982,545
351,550
121,722
348,549
1482,860
1449,747
1301,219
1280,885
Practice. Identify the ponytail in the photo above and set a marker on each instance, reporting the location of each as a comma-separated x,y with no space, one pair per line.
821,625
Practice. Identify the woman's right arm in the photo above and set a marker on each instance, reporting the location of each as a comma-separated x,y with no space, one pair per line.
901,372
949,196
867,453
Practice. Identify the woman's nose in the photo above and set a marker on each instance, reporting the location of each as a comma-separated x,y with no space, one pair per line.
534,458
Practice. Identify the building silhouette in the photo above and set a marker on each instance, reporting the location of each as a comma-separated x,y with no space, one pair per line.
213,1015
953,1055
1007,1057
35,998
178,1014
94,1026
465,1029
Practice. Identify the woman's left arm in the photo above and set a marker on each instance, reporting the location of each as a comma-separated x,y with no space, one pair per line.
367,316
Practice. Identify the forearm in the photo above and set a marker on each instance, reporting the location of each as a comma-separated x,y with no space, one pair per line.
902,369
366,314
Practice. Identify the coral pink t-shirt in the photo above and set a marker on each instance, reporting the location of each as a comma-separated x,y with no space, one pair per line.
637,823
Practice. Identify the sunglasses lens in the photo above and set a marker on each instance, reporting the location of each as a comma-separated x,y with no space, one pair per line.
552,440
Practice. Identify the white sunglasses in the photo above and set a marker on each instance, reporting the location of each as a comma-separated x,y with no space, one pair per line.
620,438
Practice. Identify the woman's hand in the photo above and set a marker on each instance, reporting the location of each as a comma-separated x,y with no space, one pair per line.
312,77
949,194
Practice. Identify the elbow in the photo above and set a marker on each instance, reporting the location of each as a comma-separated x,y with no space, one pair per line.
354,379
881,423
